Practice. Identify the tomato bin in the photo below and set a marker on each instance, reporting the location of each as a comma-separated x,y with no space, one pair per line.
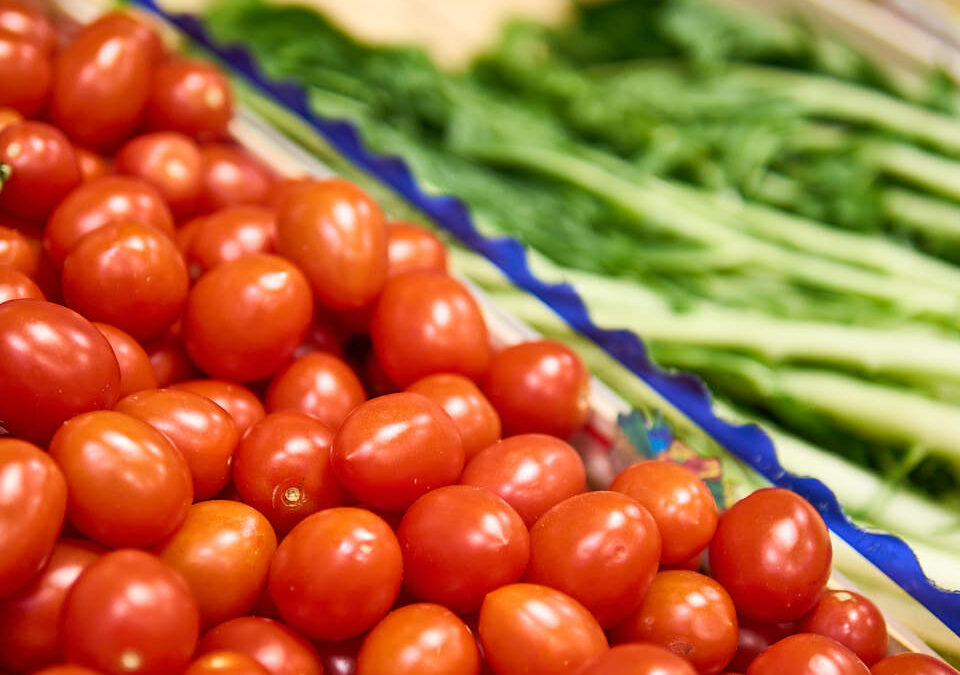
436,586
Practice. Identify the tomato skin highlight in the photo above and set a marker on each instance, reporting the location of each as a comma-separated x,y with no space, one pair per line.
911,664
638,659
228,234
239,402
136,373
25,22
15,285
320,385
16,252
43,169
225,662
26,72
279,649
168,161
806,654
190,96
231,177
476,420
853,621
413,248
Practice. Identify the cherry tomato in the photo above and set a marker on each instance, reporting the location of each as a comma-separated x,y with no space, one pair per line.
340,658
54,364
186,232
9,117
202,431
29,620
27,73
544,371
223,551
638,660
337,573
169,358
689,614
459,543
678,500
426,323
392,449
168,161
92,165
228,234
278,649
413,248
528,628
320,385
771,551
33,498
67,669
104,201
334,232
190,96
322,336
476,420
281,467
911,664
136,373
531,472
225,663
752,639
129,276
245,318
129,486
130,613
282,190
239,402
231,177
807,654
15,285
421,639
43,169
26,22
138,26
853,621
101,81
16,252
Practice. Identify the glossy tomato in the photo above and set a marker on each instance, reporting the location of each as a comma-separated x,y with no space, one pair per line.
129,486
25,22
136,373
54,364
168,161
320,385
43,169
528,628
337,573
392,449
420,639
413,248
8,117
33,498
15,285
231,177
27,73
853,621
911,664
67,669
16,252
771,551
245,318
190,96
92,165
476,420
271,644
239,402
531,472
169,358
136,25
130,613
638,659
228,234
753,638
807,654
225,662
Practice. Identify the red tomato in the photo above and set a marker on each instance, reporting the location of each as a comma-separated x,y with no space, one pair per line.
459,543
43,169
678,500
225,663
421,639
232,177
752,639
104,201
544,371
92,165
413,248
202,431
30,619
129,486
136,373
689,614
26,22
336,574
340,658
169,359
67,670
527,628
228,234
190,96
239,402
807,654
600,548
129,276
335,233
911,664
136,25
168,161
186,232
476,420
245,318
101,81
278,649
26,72
531,472
223,551
322,336
638,660
9,117
392,449
15,285
320,385
33,498
771,551
54,364
16,252
130,613
426,323
282,190
853,621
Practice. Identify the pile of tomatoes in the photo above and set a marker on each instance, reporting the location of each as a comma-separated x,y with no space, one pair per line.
252,427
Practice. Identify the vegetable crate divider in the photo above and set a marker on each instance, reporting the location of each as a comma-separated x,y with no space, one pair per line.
735,460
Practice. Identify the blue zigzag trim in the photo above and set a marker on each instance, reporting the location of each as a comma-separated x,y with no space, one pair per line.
685,391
